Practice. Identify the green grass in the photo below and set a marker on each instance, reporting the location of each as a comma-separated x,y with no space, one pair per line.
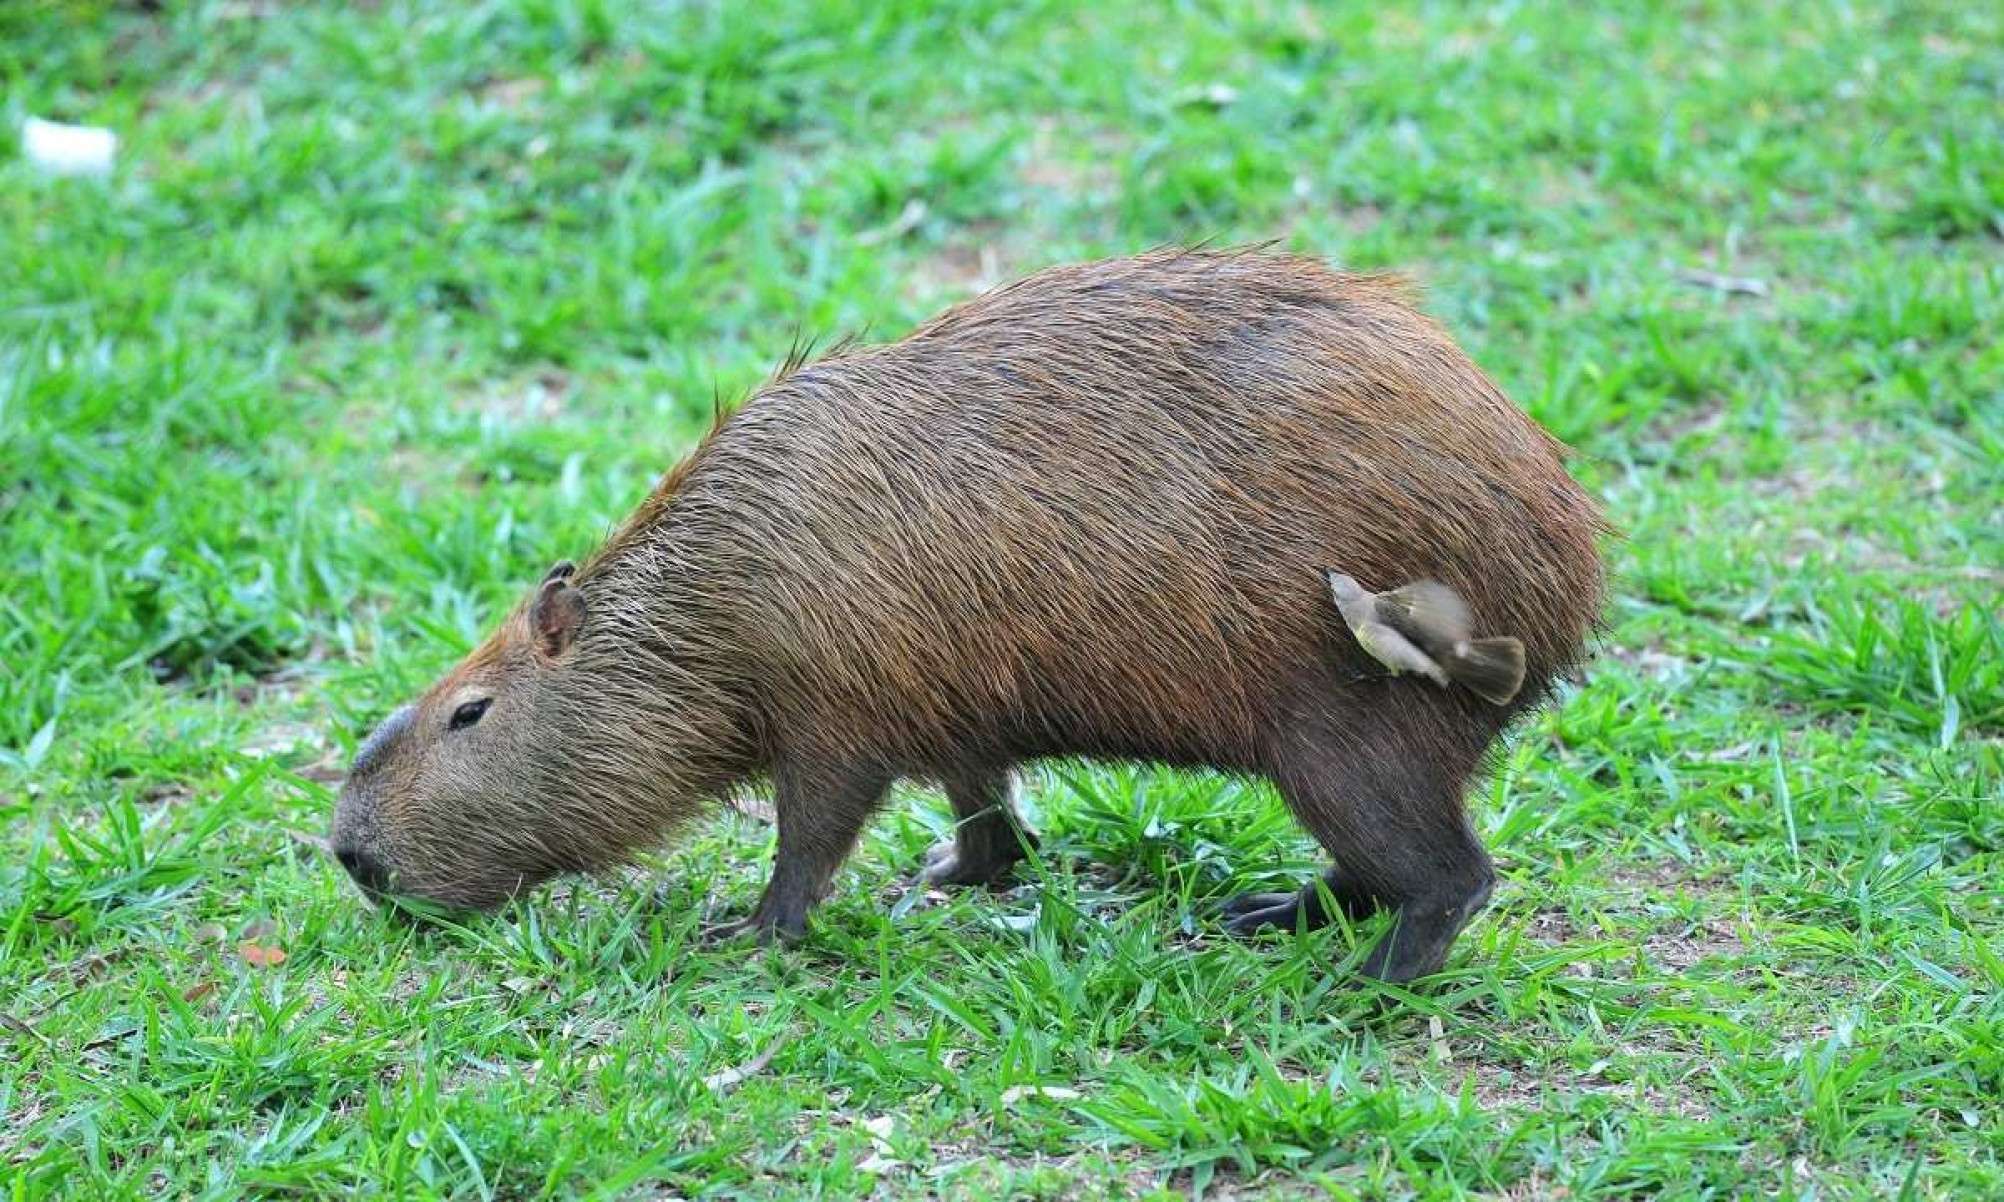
388,306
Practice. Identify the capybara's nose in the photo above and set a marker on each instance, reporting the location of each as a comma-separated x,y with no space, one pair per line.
367,870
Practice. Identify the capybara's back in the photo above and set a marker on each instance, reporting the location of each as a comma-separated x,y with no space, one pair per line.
1090,514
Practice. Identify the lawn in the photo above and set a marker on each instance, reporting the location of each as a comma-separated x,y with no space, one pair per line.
388,306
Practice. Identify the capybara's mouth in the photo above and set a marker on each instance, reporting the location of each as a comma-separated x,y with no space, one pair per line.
411,910
378,887
366,870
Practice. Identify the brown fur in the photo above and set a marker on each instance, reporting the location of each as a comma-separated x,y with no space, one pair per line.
1085,514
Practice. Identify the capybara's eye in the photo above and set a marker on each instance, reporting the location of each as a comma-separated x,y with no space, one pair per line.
466,715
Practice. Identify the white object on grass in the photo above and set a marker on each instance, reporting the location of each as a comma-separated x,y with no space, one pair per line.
61,149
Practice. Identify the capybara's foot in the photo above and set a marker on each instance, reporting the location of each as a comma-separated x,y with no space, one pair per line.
989,838
1249,913
988,863
1305,909
768,931
1423,928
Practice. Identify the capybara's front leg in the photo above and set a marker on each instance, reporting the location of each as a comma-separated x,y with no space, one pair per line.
989,838
821,809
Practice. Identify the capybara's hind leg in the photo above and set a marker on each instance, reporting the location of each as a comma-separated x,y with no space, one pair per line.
820,809
1381,791
989,838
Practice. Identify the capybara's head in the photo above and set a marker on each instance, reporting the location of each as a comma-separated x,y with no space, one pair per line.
461,796
589,726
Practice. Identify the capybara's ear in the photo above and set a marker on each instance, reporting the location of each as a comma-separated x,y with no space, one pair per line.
558,612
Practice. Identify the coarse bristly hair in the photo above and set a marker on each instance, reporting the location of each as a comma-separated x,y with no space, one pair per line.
1087,513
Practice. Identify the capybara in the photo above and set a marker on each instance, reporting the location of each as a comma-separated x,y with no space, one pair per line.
1087,514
